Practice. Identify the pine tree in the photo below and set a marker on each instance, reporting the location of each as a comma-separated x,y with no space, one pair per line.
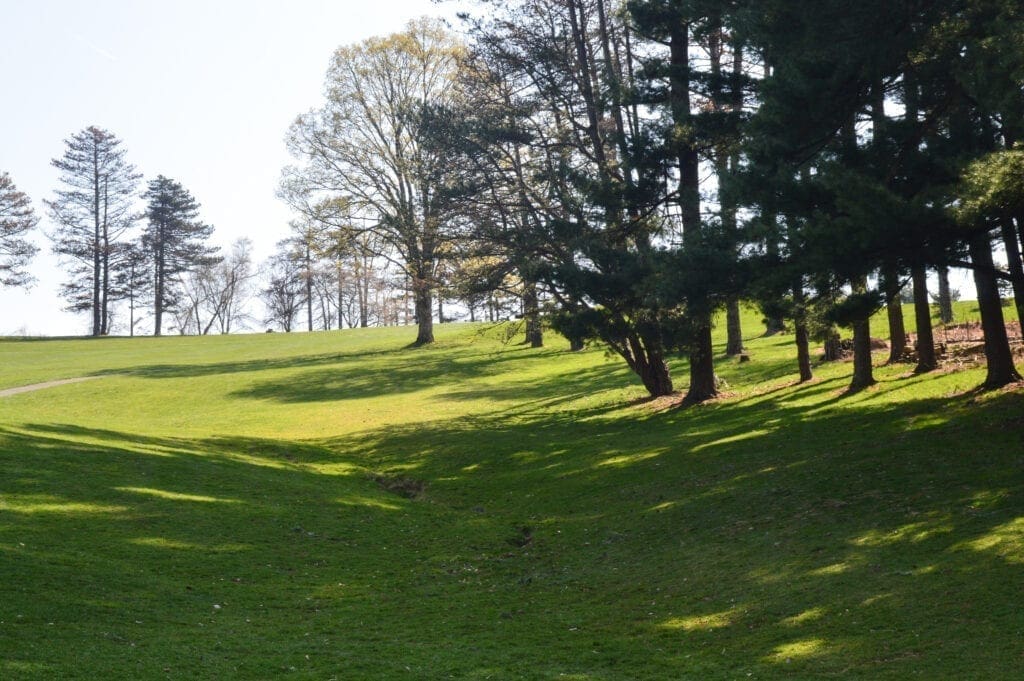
17,220
93,212
132,280
702,114
173,240
564,177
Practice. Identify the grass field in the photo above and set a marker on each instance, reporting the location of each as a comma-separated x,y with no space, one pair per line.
337,505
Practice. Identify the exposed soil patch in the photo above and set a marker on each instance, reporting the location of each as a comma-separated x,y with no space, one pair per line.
409,488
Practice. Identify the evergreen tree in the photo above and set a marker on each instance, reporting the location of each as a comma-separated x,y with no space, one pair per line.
568,179
703,115
173,240
93,213
132,280
17,220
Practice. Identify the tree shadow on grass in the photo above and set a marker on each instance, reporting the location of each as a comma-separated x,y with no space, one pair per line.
192,370
860,537
128,556
400,376
876,541
396,356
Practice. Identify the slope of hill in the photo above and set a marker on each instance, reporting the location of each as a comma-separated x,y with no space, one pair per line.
337,505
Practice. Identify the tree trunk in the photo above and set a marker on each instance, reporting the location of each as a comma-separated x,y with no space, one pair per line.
647,360
863,375
531,313
96,242
926,360
105,293
703,382
833,348
774,325
656,377
341,289
945,297
894,308
702,367
424,308
105,264
1015,266
733,330
803,351
158,303
309,288
1000,370
725,163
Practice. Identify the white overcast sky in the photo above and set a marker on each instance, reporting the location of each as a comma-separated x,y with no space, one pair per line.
202,91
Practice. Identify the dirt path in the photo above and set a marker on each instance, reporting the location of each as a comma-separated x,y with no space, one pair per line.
41,386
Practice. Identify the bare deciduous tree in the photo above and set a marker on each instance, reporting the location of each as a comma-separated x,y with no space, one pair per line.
366,147
215,294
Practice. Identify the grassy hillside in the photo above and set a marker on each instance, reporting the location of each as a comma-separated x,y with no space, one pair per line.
337,505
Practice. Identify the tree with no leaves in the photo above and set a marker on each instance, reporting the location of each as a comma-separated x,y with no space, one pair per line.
17,219
92,212
366,147
215,293
286,289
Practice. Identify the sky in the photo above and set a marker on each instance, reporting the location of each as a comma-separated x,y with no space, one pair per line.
199,91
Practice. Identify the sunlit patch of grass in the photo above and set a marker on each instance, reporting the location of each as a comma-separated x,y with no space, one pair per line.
45,503
798,650
910,532
368,502
752,434
809,615
178,545
338,468
833,569
628,459
1005,541
706,622
876,599
22,667
177,496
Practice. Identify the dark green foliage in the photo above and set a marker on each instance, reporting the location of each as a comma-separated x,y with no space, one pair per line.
173,241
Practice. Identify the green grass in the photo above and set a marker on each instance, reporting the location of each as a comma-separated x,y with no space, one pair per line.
233,507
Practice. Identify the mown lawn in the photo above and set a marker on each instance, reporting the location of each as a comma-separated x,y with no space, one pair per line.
337,505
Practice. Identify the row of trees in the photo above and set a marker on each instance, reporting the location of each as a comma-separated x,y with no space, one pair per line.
96,219
643,164
635,167
326,276
156,259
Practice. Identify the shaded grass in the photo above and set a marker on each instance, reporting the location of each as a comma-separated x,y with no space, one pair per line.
241,512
